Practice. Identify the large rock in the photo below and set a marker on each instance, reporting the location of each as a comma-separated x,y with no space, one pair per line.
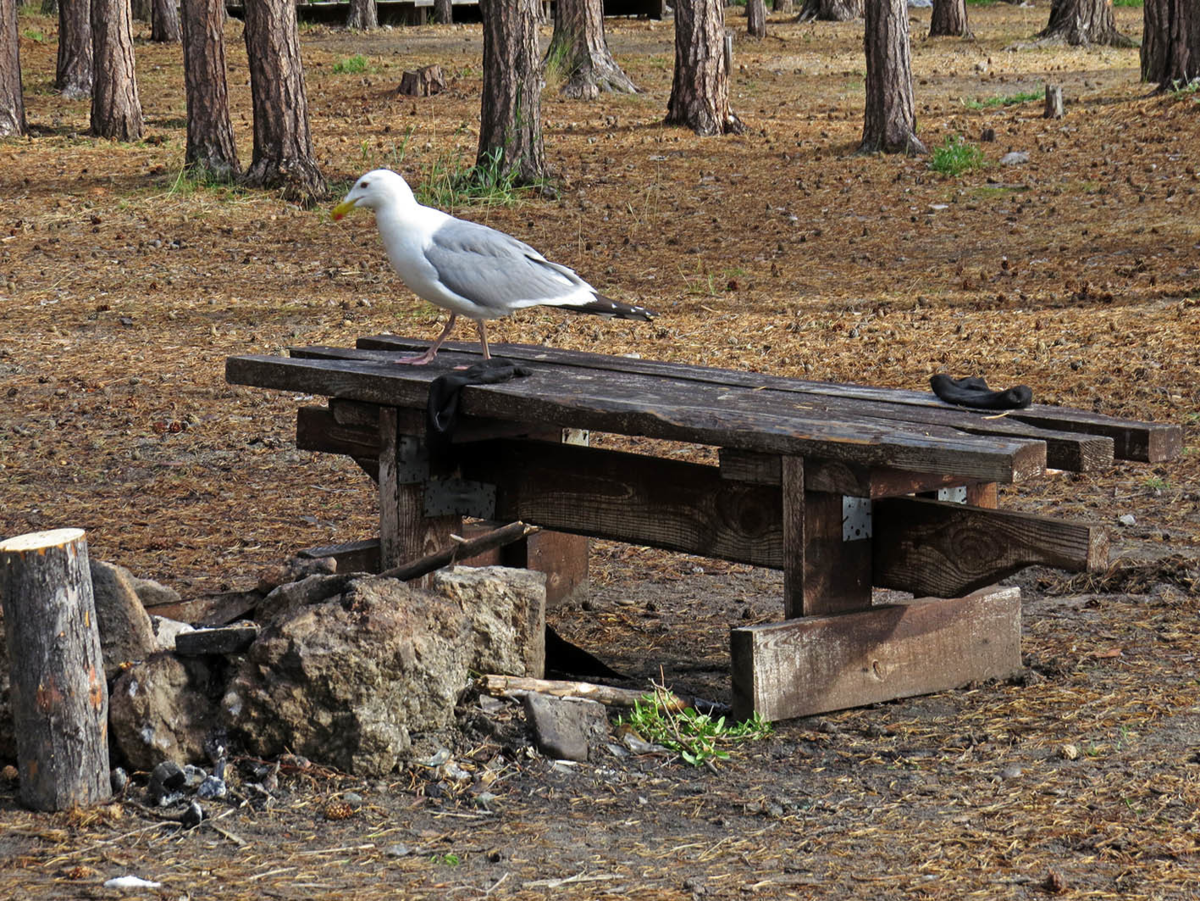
126,634
349,681
508,610
163,709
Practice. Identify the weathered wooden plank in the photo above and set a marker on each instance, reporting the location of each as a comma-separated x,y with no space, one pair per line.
626,497
944,549
656,409
1133,440
818,664
351,556
317,429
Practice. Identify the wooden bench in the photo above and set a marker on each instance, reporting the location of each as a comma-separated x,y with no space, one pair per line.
842,487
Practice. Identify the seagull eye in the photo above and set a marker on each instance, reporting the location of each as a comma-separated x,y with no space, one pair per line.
364,184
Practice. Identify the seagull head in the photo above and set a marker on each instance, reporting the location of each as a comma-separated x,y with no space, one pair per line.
378,188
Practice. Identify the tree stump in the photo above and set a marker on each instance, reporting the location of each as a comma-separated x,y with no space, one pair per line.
423,82
59,698
1054,101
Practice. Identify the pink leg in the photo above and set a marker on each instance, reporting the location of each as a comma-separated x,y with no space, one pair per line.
428,356
487,354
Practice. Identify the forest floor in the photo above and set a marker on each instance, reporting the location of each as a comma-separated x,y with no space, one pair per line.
123,287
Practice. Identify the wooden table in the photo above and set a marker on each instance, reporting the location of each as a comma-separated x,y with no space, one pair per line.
842,487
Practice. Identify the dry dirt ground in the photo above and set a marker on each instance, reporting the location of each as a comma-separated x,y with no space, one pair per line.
123,288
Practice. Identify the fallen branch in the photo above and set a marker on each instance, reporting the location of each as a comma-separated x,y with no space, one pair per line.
461,550
518,686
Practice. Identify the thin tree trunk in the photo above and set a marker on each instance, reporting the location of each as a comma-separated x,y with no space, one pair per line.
949,19
283,148
73,71
364,15
756,18
116,107
784,7
1081,23
510,130
12,96
443,11
164,22
579,50
141,9
1170,53
210,143
830,10
700,87
890,123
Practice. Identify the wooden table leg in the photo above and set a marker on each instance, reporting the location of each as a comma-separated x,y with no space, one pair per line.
405,532
822,571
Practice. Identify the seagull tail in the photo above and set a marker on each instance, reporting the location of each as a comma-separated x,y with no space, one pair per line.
606,306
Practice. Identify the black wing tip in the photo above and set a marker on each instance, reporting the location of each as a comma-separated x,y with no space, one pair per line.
606,306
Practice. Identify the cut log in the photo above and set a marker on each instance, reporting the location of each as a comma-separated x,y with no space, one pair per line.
423,82
59,696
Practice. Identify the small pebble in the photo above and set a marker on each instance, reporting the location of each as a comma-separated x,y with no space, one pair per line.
1011,772
398,850
1068,752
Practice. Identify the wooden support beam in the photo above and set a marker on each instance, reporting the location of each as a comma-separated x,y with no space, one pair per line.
944,549
818,664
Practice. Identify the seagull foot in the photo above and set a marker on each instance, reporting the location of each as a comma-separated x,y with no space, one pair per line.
419,360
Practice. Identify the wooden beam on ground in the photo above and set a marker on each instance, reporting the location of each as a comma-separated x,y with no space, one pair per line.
944,550
801,667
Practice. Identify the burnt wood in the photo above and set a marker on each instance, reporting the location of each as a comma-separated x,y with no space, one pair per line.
818,664
1145,442
945,550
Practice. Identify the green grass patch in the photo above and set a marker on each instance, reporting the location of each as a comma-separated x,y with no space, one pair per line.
1137,3
451,181
697,737
956,157
1006,100
34,34
352,65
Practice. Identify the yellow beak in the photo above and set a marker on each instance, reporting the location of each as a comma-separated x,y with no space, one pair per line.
343,208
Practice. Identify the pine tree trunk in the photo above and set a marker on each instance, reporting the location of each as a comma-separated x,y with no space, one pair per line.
579,50
283,148
164,22
59,697
949,19
12,96
510,129
73,71
1081,23
1170,42
141,10
116,107
756,18
700,87
830,10
784,7
443,11
49,7
210,143
363,15
890,123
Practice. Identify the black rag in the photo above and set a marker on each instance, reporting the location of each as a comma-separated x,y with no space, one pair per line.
974,392
441,413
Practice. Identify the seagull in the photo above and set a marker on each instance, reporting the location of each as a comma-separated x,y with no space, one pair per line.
469,269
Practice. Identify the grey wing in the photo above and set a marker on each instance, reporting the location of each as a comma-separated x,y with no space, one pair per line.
499,272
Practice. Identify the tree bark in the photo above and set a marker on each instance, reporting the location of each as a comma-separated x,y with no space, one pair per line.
949,19
756,18
59,697
1170,51
164,22
210,142
1081,23
830,10
510,130
890,122
283,149
443,11
579,50
12,95
116,107
700,87
784,7
141,10
363,15
73,71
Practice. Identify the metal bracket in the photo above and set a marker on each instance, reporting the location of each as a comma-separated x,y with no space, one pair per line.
412,460
856,518
953,495
460,496
580,437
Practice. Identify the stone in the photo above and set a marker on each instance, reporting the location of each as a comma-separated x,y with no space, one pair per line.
294,570
292,596
1014,158
166,630
166,781
126,635
565,728
154,594
508,610
347,681
222,640
163,709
